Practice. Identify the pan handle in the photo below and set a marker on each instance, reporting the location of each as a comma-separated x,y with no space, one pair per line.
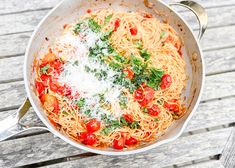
200,13
11,125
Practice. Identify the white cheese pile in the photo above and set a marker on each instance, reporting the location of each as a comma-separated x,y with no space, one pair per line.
85,83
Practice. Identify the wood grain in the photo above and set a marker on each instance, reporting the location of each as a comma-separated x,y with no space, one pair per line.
180,151
27,21
228,154
209,164
45,147
13,6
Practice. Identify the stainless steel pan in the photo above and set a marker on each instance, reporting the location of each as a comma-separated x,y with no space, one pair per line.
68,11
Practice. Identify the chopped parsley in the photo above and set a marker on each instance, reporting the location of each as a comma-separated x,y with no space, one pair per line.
81,102
123,121
156,119
163,35
107,19
93,25
144,54
45,68
123,101
155,78
134,125
77,28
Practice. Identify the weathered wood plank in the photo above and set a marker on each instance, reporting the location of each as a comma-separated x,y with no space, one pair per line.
180,151
220,85
45,147
27,21
209,164
211,114
20,22
228,154
14,44
216,61
214,20
217,86
13,6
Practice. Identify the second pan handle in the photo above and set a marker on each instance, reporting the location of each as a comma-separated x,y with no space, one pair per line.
200,13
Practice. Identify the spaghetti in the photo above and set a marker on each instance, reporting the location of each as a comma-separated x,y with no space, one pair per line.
113,79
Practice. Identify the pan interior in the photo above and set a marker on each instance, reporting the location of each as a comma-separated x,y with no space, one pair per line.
69,10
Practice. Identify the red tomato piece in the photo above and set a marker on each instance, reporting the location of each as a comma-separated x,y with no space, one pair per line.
172,107
139,94
131,141
129,73
57,65
88,10
144,96
45,78
154,110
93,125
116,24
148,15
128,117
166,81
40,88
65,25
87,138
133,31
118,144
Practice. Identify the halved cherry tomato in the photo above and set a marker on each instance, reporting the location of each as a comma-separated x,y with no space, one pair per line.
93,125
40,88
50,101
154,110
133,31
87,138
172,105
144,96
128,118
49,57
131,141
129,73
116,24
118,144
139,94
166,81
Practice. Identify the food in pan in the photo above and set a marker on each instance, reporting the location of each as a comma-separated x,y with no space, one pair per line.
113,79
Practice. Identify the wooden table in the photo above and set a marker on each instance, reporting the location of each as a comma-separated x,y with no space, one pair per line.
208,141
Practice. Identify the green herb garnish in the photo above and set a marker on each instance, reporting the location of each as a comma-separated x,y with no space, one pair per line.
77,28
107,19
45,68
156,119
155,78
134,125
93,25
144,54
81,102
163,34
123,121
